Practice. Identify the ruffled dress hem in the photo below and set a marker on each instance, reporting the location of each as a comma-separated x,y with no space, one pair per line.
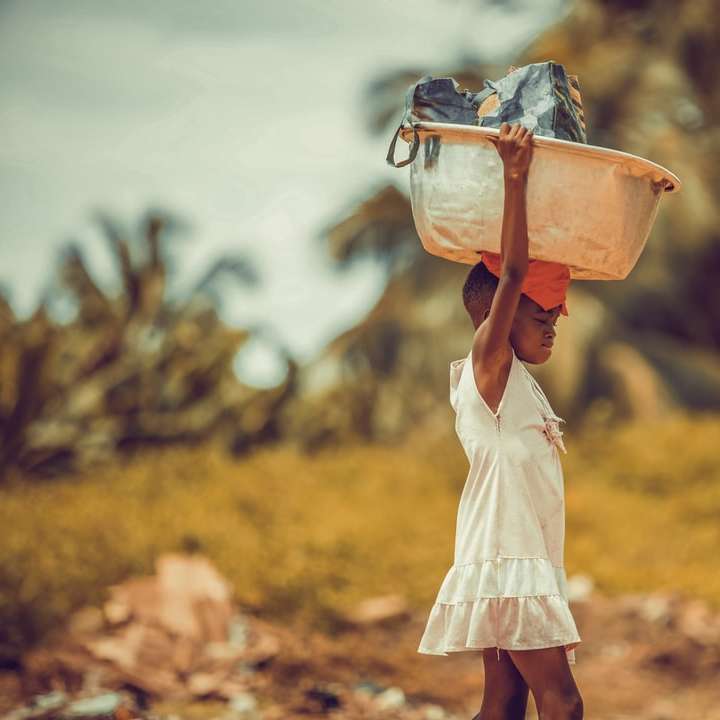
508,603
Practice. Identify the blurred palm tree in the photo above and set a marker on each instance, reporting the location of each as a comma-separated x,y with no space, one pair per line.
128,370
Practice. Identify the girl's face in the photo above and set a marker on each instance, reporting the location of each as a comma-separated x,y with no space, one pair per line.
533,331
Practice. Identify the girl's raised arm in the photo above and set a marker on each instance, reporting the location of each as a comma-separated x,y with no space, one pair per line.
491,345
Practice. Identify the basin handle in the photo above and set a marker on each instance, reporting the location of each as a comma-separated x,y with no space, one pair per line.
390,159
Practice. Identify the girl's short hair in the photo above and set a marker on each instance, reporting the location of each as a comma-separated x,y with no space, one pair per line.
479,289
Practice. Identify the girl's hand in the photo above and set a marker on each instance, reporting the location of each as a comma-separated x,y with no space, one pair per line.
515,148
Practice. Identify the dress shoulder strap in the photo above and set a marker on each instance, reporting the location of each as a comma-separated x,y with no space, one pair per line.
456,368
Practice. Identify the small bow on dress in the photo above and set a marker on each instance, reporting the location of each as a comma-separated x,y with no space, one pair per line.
553,432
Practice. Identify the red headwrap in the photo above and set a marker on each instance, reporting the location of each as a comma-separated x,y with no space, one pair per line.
546,282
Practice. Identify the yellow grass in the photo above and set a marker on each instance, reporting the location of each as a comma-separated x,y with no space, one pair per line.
306,537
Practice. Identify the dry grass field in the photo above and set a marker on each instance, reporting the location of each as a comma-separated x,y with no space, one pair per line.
304,538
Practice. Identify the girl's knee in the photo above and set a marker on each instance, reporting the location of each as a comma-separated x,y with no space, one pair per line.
562,706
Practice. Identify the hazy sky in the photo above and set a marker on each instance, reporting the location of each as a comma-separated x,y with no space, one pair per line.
242,116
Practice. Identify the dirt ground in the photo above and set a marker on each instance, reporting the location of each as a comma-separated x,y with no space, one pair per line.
646,657
654,657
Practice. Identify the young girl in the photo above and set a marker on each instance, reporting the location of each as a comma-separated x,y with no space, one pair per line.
506,592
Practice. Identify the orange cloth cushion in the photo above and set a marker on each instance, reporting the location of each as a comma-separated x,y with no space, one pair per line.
546,282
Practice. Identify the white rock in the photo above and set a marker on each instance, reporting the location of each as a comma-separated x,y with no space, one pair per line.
434,712
580,587
391,698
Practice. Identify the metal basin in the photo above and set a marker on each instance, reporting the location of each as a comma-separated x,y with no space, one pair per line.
588,207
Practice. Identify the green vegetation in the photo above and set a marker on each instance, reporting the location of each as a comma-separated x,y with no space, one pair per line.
304,537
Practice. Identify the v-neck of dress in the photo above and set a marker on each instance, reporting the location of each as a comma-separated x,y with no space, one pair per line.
495,414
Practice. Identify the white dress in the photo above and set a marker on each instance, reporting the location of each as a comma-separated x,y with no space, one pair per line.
507,586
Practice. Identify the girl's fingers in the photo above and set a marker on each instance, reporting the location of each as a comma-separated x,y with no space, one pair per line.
516,134
521,133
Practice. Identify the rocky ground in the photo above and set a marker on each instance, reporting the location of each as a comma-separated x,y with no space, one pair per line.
174,645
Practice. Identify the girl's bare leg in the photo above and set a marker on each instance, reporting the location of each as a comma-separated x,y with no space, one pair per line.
548,674
506,693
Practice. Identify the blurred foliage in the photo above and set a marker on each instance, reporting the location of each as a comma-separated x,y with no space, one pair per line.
129,370
305,538
136,369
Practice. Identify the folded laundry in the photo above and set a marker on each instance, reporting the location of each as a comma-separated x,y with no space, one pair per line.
540,96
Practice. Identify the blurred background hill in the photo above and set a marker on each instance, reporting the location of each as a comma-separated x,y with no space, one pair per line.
253,363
